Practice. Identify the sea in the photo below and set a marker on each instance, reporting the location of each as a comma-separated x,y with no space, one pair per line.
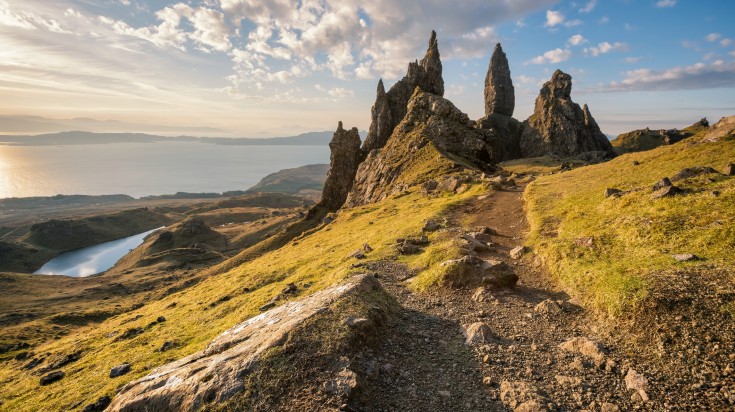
142,169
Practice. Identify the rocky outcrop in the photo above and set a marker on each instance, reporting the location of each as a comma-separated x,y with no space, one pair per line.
344,160
432,137
221,371
647,139
499,92
502,132
390,108
559,126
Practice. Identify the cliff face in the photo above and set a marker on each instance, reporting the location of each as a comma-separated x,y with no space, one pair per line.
559,126
344,159
432,137
390,108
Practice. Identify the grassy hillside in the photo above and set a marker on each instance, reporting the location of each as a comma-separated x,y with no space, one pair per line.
195,315
608,250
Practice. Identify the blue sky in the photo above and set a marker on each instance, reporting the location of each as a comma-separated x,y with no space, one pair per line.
275,67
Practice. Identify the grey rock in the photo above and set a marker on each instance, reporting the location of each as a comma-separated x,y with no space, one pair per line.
585,347
665,182
668,191
120,370
499,91
431,225
612,192
685,257
99,406
637,382
692,172
390,108
344,161
729,170
548,307
559,126
523,396
518,252
218,372
51,378
479,333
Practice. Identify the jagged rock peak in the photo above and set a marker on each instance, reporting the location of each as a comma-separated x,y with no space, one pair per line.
499,91
559,87
344,160
390,107
560,127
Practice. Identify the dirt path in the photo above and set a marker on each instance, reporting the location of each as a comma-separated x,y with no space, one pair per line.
427,366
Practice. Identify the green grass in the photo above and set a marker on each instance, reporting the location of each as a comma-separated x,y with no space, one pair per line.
634,236
314,261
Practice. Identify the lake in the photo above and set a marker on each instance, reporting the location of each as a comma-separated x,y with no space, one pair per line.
141,169
93,259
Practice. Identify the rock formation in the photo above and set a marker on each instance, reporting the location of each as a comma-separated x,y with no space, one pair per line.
432,137
499,92
502,132
344,160
559,126
390,107
220,371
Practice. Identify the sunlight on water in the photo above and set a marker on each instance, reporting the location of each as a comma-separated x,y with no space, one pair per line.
94,259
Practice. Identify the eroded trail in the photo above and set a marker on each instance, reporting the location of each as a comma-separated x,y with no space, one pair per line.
426,364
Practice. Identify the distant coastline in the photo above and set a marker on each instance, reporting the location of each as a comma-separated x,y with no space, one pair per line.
88,138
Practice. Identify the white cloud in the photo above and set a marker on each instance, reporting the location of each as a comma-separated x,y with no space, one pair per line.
604,48
588,7
554,18
665,3
576,40
552,56
603,20
713,36
340,93
697,76
632,59
725,42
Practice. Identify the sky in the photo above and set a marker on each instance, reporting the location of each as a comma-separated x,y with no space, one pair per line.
251,68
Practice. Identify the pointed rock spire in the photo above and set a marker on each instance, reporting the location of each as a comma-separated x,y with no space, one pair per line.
344,160
390,107
499,91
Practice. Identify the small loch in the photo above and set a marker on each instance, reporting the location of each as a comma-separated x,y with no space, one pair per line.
93,259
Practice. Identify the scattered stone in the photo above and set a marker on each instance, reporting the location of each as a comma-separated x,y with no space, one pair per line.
667,191
51,378
685,257
161,319
523,396
479,333
99,406
342,384
130,333
120,370
167,345
289,289
637,382
358,254
429,186
444,394
585,347
586,241
487,381
612,192
729,170
356,323
267,306
481,295
692,172
565,380
636,163
548,307
665,182
366,248
609,407
517,252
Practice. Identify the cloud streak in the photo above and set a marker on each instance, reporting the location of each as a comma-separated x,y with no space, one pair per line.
696,76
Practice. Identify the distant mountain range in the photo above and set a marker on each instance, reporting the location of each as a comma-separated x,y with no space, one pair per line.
83,138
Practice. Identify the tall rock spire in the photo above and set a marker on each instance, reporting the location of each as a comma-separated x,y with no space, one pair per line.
499,91
390,108
344,160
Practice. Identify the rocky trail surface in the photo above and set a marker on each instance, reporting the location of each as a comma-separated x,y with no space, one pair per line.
531,349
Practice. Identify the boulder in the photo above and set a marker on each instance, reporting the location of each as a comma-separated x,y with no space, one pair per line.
222,369
729,170
51,378
99,405
692,172
585,347
390,108
120,370
665,182
611,192
667,191
637,382
685,257
559,126
344,161
479,333
548,307
518,252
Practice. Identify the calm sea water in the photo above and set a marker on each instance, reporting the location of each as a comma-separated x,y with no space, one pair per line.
92,260
140,169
